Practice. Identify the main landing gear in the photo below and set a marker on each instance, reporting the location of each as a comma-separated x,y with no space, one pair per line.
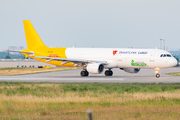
84,73
157,72
109,72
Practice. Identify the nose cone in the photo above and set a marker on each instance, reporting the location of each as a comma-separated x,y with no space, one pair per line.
173,62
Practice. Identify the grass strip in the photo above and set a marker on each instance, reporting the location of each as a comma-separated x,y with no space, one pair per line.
21,100
22,71
174,73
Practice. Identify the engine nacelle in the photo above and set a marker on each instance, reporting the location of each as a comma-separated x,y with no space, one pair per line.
131,70
95,68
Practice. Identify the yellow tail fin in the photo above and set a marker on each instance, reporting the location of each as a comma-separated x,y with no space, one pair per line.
32,38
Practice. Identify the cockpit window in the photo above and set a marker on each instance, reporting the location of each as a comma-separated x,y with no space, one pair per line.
168,55
165,55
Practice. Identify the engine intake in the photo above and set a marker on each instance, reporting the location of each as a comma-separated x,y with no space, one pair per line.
95,68
131,70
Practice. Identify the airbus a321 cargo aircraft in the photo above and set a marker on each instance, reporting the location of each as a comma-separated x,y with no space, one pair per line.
95,60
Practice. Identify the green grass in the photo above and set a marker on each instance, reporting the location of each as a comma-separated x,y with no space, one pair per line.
174,73
22,100
55,89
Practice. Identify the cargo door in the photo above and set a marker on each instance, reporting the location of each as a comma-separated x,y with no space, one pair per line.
121,59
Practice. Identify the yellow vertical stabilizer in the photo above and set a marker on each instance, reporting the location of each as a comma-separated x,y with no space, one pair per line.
32,38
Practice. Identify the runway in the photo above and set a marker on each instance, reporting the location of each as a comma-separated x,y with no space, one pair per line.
119,76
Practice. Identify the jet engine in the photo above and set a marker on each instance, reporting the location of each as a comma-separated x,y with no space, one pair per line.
95,68
131,70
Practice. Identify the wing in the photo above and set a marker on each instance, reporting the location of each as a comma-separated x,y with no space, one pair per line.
67,60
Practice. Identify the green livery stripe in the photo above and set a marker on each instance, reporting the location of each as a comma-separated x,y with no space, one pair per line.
137,64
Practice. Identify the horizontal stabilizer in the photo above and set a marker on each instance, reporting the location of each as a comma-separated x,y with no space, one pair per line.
19,51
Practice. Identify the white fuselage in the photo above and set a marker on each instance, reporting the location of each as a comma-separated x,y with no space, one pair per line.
124,57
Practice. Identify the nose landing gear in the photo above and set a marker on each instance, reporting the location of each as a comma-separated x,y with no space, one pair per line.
157,72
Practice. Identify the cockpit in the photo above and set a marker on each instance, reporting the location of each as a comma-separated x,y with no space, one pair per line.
165,55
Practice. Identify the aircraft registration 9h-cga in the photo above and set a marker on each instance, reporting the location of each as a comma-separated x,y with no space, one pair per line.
95,60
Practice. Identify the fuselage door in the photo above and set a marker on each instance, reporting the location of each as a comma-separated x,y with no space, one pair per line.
119,57
152,54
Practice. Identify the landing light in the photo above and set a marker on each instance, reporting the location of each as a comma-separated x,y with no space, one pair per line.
157,70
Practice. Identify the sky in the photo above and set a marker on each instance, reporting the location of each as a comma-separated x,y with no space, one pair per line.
92,23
